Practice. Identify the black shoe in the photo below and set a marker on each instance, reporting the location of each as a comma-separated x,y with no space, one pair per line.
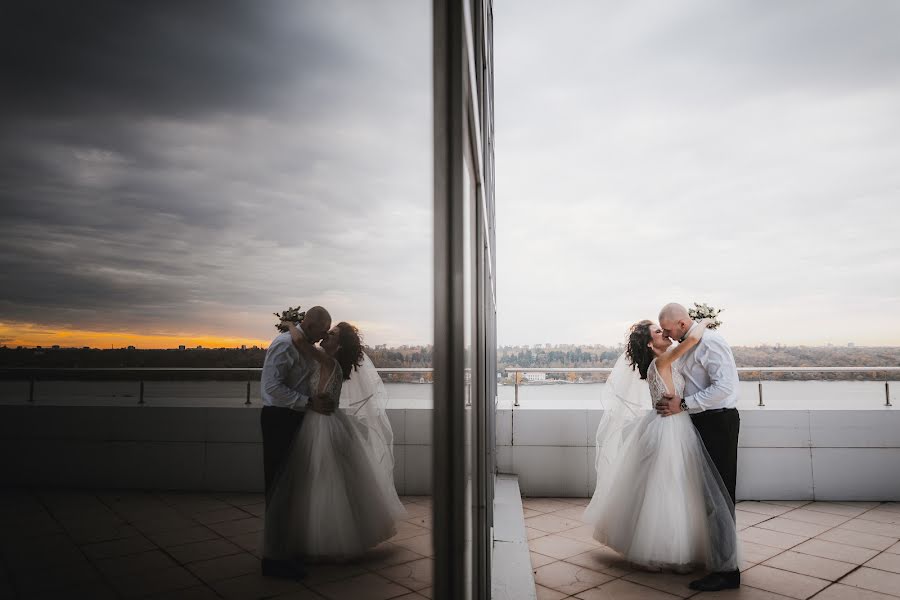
717,581
287,569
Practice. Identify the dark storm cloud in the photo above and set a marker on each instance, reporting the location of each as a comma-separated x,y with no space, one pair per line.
185,161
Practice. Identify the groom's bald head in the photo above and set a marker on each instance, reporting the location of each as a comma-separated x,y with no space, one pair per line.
316,323
674,320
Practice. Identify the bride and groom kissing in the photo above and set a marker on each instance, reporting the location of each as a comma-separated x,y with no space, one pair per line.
328,470
666,478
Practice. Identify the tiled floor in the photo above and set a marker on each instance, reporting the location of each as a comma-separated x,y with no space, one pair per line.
98,545
799,550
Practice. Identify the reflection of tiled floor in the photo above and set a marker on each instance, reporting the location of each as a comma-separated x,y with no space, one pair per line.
124,544
821,550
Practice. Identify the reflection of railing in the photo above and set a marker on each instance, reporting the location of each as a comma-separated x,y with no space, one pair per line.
35,374
759,370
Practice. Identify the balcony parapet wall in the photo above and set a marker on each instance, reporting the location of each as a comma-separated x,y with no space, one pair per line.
784,454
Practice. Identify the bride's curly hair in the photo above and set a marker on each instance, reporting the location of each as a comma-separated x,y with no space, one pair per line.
638,350
350,354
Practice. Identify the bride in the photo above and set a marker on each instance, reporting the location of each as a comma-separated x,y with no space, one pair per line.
659,499
335,496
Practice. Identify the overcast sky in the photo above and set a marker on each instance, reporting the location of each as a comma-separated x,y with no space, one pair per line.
182,170
740,153
175,172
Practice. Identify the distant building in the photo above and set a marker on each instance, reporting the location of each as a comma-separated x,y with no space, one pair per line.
199,347
182,347
243,346
56,346
851,345
536,376
131,347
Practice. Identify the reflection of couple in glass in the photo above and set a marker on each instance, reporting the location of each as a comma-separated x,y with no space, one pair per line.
327,446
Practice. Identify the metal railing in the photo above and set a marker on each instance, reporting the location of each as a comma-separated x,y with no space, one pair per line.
143,374
760,370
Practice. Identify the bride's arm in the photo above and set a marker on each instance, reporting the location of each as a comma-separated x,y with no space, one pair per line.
301,344
692,339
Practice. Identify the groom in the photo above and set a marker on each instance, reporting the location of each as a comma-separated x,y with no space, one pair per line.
710,396
285,392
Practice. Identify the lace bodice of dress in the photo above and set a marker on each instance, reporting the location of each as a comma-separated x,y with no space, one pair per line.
658,386
332,387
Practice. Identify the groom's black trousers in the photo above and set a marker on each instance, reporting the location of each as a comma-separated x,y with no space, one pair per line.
279,425
719,431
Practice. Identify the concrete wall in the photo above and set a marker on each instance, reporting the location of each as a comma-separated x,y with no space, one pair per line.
784,454
187,448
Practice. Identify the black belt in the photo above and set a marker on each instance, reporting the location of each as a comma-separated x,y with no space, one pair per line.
715,410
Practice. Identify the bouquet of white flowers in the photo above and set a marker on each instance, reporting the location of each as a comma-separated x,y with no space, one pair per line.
705,311
295,315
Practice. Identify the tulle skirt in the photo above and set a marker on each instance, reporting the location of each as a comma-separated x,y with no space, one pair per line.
666,507
327,503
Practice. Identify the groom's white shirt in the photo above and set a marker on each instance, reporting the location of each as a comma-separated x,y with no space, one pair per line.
285,375
710,374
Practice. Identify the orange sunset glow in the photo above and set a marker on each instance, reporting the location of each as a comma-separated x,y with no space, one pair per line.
34,334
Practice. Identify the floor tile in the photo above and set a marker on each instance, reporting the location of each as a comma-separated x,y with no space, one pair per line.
407,530
836,551
123,547
254,586
878,528
558,547
807,564
882,516
134,563
758,553
179,537
857,538
189,553
886,562
548,594
624,590
673,583
604,560
155,582
789,503
768,537
326,573
781,582
237,527
197,592
836,508
224,567
230,513
568,578
362,587
816,516
552,523
415,575
786,525
416,510
895,549
746,518
388,555
544,505
763,508
875,580
745,592
539,560
423,544
251,542
532,534
840,591
585,534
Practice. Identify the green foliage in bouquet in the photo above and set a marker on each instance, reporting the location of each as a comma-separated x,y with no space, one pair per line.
295,315
705,311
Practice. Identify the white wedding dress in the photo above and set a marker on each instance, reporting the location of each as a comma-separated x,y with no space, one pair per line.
659,500
335,497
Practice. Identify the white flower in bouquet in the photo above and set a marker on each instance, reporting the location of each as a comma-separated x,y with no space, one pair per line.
705,311
294,315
